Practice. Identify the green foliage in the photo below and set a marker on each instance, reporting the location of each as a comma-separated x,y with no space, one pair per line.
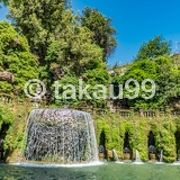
99,76
15,58
164,130
6,116
110,126
16,116
162,71
65,47
103,32
138,128
66,80
154,48
39,21
73,52
72,56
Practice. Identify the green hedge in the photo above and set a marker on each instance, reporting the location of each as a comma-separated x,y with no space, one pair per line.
164,128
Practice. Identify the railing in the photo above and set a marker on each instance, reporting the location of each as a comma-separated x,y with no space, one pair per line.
129,112
6,99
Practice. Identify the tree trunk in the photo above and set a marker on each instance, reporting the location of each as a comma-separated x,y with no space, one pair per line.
6,76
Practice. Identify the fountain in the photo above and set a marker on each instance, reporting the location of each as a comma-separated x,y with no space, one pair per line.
178,156
61,136
137,158
161,156
115,155
116,158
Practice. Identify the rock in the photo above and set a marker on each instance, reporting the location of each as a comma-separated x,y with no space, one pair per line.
6,76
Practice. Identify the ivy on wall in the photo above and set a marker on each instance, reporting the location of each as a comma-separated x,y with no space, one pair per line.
138,128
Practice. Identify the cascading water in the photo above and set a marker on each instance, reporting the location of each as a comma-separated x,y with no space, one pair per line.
161,156
62,136
178,156
137,158
115,155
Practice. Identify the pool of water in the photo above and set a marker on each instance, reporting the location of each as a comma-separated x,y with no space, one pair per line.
110,171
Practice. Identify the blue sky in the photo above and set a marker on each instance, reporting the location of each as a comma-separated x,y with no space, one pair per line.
136,21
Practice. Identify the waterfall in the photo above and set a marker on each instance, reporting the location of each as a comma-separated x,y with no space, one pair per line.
115,155
178,155
137,157
61,135
161,156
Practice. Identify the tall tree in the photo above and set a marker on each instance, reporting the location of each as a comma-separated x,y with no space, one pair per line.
165,75
73,51
154,48
73,55
67,50
17,63
102,29
38,20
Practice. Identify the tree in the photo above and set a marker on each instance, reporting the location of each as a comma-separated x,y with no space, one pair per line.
103,32
154,48
66,48
74,51
73,55
16,60
165,75
38,21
